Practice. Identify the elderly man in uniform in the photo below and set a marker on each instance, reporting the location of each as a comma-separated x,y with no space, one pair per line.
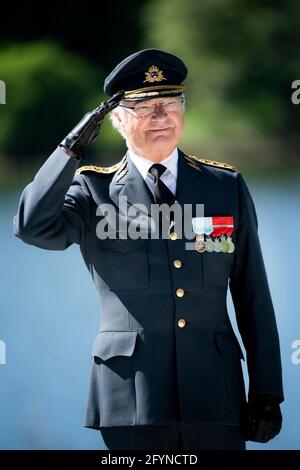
166,365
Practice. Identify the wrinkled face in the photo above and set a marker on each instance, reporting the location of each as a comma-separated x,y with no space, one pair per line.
152,127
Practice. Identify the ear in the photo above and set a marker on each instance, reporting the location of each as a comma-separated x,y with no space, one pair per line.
121,117
116,115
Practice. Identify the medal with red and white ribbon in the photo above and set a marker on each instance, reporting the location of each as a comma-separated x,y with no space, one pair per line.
222,231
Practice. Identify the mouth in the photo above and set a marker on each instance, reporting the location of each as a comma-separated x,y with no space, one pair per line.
160,130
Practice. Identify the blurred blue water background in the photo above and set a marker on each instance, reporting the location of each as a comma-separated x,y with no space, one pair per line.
50,315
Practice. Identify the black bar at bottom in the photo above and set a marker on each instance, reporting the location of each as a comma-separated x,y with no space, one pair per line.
137,459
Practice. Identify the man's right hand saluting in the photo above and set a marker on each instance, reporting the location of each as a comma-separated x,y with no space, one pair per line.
85,132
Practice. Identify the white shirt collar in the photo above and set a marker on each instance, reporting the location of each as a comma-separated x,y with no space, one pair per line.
143,164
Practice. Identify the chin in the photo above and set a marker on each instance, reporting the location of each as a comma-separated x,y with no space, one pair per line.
162,138
162,147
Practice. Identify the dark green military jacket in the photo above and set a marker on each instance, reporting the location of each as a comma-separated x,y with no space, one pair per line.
165,350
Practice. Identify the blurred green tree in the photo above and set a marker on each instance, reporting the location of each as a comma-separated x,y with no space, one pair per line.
242,58
48,91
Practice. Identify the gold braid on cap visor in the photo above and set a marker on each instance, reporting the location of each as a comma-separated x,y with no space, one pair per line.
152,91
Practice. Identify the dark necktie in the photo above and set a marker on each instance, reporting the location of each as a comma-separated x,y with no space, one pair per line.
161,192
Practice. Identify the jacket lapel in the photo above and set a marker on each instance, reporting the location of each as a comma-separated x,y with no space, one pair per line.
128,183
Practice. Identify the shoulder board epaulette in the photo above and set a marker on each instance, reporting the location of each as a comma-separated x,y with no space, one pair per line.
226,166
100,169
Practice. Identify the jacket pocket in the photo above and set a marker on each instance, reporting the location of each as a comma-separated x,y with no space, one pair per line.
108,344
216,269
113,378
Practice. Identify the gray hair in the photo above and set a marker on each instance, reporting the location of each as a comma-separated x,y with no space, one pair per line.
116,123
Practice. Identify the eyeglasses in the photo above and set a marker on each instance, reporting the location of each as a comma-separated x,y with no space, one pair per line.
143,110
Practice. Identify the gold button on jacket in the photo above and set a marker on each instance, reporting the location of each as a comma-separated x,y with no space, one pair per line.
173,236
180,292
181,323
177,263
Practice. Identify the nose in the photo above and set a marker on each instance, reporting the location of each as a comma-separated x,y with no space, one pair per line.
159,110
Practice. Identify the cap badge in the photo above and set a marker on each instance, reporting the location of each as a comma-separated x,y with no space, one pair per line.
154,75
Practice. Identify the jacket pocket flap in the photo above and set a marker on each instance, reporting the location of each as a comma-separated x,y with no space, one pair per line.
108,344
228,345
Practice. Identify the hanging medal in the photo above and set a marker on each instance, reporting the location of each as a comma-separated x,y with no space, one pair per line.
209,244
224,244
222,230
217,245
200,244
230,245
203,227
